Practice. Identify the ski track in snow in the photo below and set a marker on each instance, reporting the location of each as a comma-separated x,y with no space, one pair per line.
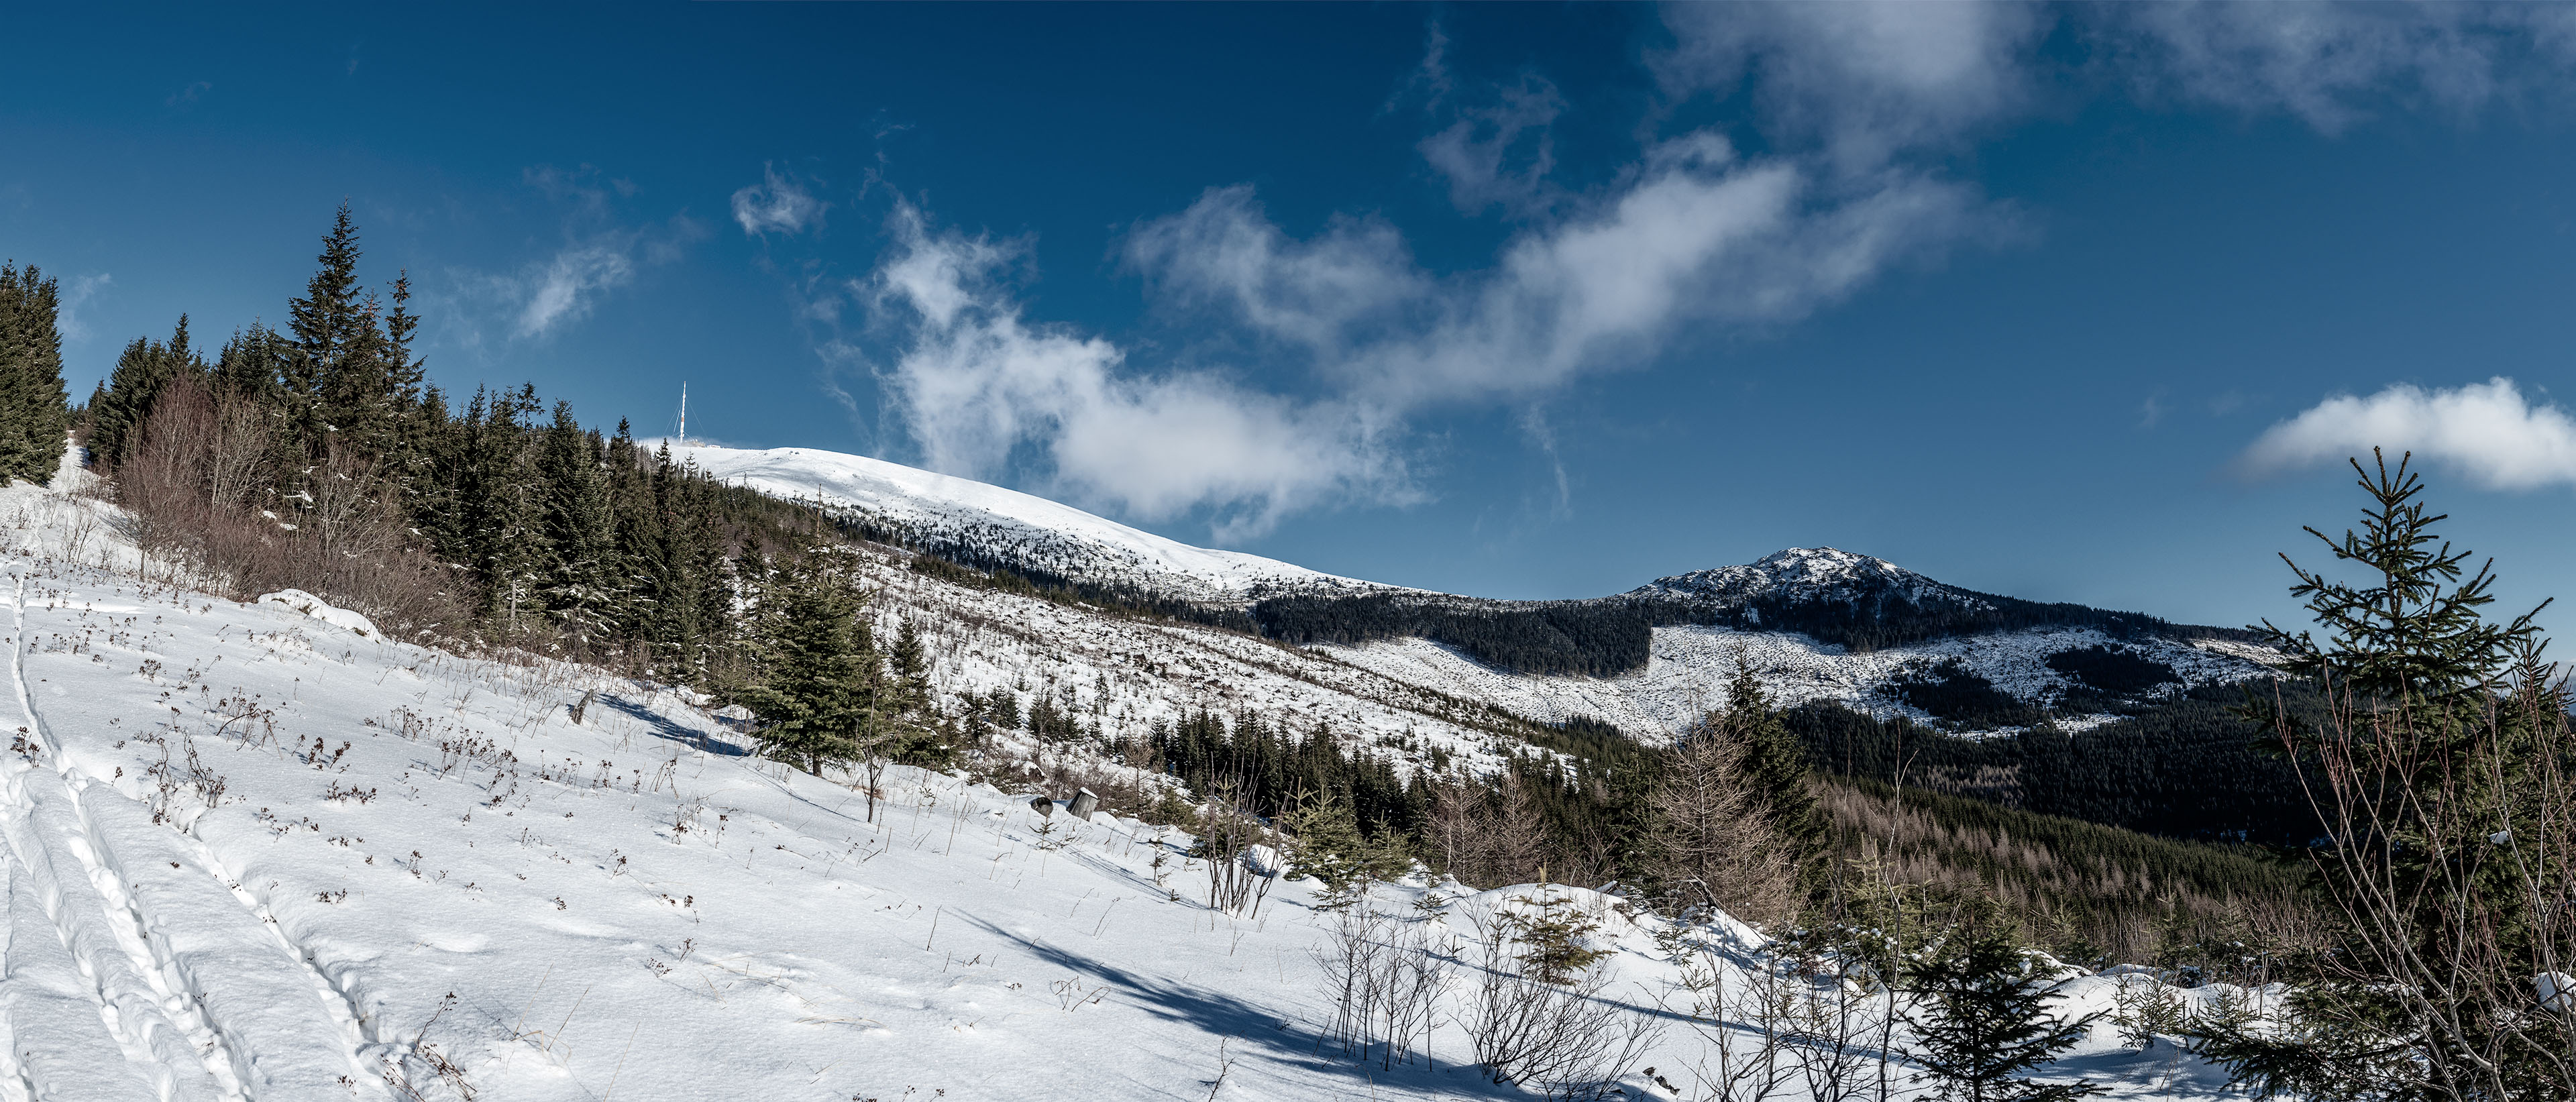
635,908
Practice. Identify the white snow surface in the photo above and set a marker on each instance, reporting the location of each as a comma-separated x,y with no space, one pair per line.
1019,527
319,609
252,856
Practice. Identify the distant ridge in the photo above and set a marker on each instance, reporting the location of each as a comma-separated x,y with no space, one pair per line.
1857,602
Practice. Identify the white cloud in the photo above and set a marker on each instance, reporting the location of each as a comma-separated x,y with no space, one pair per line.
602,252
776,203
1693,234
565,288
1223,250
1860,107
2323,63
68,320
1500,155
1860,81
975,381
2484,430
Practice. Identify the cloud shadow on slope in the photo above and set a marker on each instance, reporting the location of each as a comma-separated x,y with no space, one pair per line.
1296,1044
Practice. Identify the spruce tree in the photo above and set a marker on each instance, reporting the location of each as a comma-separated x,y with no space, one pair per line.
343,374
817,686
1980,1022
574,525
2437,768
143,372
1773,765
34,408
253,364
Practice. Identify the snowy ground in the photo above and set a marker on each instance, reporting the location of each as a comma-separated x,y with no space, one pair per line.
252,853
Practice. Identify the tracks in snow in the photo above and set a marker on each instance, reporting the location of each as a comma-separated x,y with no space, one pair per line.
100,997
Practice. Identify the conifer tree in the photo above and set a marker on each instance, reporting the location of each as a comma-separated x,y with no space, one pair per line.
2439,769
1774,765
573,522
34,409
495,531
642,578
142,373
344,375
1981,1023
820,674
253,364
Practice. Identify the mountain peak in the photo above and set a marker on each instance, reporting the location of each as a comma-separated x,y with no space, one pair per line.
1804,570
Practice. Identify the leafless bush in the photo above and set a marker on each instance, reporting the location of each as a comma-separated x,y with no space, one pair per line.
1563,1040
1740,1009
1230,840
1837,1032
195,499
186,776
1716,846
1386,980
1486,838
422,1072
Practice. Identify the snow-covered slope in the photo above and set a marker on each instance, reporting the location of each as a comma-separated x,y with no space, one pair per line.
1008,526
253,854
1411,678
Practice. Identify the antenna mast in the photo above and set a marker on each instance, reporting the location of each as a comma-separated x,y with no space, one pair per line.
684,413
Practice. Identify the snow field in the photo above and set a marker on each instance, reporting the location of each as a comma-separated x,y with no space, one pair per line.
252,854
1042,532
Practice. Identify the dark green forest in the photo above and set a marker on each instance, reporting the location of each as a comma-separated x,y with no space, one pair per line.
1605,636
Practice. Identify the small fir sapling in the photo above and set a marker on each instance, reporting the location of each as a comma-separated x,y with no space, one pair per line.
1981,1023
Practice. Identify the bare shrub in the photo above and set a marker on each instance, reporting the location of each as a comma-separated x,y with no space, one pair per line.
194,492
1561,1039
1231,840
1716,846
1740,1009
1386,980
1488,838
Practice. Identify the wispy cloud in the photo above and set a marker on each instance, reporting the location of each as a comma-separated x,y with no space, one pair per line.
602,252
777,204
1694,234
69,319
1860,83
195,91
1500,154
2487,431
564,288
2332,65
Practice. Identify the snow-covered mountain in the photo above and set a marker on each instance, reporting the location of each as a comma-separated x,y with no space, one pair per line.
1813,572
960,516
1817,623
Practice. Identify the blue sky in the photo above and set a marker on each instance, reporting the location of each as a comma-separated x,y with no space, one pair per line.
2071,303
